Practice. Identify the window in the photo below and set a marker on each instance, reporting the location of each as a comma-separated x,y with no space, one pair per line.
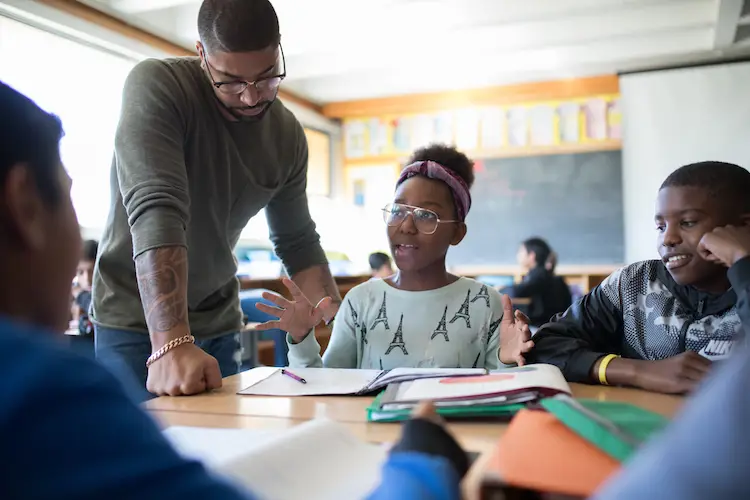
83,86
318,163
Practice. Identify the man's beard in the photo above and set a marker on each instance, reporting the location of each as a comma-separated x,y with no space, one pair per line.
233,110
250,118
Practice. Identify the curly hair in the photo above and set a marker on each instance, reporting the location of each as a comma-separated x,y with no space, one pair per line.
449,157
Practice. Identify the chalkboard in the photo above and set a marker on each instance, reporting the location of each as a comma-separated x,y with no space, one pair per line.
574,201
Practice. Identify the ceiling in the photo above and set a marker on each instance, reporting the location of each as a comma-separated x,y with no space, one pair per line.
339,50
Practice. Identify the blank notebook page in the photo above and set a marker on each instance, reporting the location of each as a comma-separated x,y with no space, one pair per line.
317,460
215,447
320,381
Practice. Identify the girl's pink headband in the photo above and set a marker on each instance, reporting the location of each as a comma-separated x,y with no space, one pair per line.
434,170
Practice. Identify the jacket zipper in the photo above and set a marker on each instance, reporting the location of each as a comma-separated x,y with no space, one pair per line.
696,316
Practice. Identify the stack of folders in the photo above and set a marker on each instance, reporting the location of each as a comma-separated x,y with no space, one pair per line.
498,394
568,449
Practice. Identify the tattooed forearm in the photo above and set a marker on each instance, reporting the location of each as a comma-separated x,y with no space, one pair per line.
316,283
162,281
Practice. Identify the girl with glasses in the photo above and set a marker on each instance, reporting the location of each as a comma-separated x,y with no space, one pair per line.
422,316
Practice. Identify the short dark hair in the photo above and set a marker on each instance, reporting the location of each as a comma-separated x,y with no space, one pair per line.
449,157
541,249
727,182
30,136
90,248
238,25
378,260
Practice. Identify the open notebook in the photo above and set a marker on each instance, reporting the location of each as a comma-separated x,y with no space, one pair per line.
511,386
287,465
270,381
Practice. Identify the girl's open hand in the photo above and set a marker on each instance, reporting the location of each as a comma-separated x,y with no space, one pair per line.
298,316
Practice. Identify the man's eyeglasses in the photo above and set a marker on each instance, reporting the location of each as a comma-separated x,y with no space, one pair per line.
263,86
426,221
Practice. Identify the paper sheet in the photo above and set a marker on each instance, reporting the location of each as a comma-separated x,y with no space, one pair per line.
401,374
320,381
216,447
288,465
498,382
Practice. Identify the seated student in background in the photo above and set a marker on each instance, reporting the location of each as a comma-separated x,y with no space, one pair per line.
82,289
658,324
380,265
423,316
68,431
549,294
705,452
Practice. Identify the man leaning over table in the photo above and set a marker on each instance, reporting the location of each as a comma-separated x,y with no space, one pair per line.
203,144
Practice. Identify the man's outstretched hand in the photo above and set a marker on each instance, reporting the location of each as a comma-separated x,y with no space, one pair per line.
298,316
515,336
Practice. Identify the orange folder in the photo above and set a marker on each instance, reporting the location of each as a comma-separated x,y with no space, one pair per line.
539,453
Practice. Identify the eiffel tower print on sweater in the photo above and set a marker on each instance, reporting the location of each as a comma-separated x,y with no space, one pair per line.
463,312
398,339
441,328
382,315
484,294
449,327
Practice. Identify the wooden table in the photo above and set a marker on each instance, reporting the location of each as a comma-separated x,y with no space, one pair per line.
224,408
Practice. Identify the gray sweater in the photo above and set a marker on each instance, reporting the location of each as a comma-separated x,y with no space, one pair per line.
183,175
381,327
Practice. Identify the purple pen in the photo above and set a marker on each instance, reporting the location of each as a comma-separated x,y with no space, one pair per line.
292,375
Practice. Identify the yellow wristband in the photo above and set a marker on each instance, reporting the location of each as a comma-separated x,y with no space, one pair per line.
603,367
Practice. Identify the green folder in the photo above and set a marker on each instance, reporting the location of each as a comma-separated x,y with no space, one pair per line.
618,429
376,414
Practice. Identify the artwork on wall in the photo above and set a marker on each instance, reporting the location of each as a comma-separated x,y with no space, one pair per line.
569,114
492,128
488,130
358,187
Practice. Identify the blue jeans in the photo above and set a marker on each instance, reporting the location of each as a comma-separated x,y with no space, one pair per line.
125,353
248,299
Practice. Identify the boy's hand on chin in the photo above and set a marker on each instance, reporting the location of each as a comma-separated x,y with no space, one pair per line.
298,316
725,245
676,375
515,336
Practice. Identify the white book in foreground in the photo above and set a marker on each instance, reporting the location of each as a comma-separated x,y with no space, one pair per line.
319,459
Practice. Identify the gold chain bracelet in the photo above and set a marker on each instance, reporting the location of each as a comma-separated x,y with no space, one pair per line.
168,347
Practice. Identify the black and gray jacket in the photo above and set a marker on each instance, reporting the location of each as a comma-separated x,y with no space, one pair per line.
640,312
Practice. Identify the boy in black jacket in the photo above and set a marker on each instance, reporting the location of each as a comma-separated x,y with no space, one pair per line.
659,324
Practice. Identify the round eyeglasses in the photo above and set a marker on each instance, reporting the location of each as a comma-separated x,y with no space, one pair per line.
264,86
426,221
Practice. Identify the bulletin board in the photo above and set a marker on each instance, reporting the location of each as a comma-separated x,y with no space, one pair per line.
521,129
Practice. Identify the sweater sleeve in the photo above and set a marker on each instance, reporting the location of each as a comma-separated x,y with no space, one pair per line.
290,225
410,476
149,158
739,276
90,440
492,358
590,328
342,347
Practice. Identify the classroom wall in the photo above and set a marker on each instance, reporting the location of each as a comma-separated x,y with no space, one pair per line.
523,125
671,118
